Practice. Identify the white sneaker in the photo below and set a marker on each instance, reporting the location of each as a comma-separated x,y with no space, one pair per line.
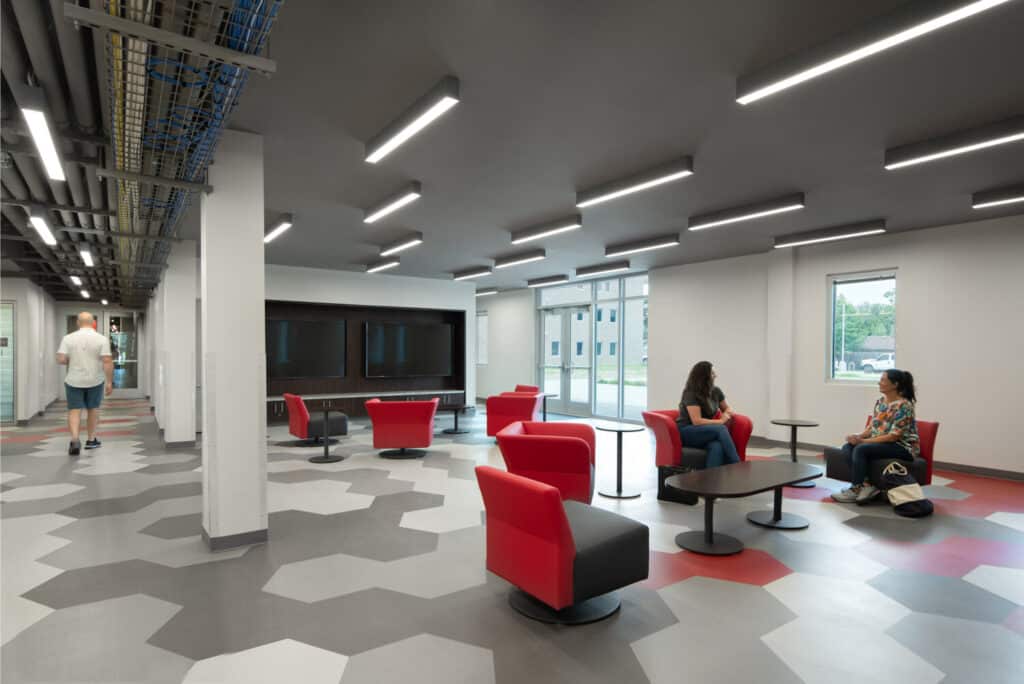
867,493
848,495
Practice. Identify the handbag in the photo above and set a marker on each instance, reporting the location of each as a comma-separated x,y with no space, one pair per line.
904,492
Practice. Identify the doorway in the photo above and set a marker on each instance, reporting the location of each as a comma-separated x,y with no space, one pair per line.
566,359
121,327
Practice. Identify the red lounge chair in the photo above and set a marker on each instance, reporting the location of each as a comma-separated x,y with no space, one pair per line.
559,454
402,427
510,407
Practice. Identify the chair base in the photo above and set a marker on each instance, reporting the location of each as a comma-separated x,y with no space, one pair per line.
585,612
669,493
403,453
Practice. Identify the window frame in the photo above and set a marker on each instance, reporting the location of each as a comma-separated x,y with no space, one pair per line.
831,280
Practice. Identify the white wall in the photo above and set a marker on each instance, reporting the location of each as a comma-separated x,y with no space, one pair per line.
289,283
37,335
763,320
512,342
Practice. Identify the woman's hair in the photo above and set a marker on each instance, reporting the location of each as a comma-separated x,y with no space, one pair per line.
904,382
699,381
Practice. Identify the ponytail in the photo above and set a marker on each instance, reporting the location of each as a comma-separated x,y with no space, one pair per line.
904,381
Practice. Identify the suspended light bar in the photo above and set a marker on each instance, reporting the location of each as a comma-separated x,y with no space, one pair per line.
997,197
472,273
403,244
666,173
76,280
393,203
85,294
86,255
32,102
625,248
909,22
37,217
283,224
382,265
104,302
999,133
487,292
810,237
602,269
550,280
546,229
747,212
438,100
521,258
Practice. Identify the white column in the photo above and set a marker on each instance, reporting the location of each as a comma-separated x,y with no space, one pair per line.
234,378
778,303
177,358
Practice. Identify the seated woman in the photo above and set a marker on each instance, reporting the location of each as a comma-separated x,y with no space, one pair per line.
892,434
698,425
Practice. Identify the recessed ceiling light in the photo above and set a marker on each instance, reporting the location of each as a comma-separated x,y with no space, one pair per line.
393,203
997,197
382,265
471,273
76,280
487,291
521,258
32,102
86,255
747,212
810,237
402,244
547,229
625,248
283,224
999,133
909,22
666,173
602,269
85,294
37,217
104,302
549,280
438,100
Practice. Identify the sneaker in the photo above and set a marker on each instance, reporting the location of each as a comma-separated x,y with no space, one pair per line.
92,443
848,495
74,448
867,493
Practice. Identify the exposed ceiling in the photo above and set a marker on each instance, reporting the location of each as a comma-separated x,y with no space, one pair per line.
560,96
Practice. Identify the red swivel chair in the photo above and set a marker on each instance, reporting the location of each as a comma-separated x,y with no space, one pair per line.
312,430
672,456
565,558
558,454
837,468
510,407
532,389
401,427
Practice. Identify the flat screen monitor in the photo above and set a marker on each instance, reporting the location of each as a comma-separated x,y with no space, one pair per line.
305,349
408,350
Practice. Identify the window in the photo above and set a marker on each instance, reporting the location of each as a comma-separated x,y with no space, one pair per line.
579,316
576,293
481,339
554,348
579,349
597,348
611,315
863,326
599,312
611,349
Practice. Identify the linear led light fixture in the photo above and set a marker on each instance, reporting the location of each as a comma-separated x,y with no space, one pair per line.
622,249
76,280
602,269
544,230
435,102
382,265
521,258
907,23
86,255
85,294
549,280
487,292
283,223
104,302
472,273
665,173
410,193
810,237
997,197
400,245
37,217
999,133
32,102
747,212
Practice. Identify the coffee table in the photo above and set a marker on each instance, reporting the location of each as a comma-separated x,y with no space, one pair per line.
618,429
793,424
737,480
456,410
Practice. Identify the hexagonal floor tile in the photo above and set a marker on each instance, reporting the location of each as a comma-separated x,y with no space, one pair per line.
425,659
286,660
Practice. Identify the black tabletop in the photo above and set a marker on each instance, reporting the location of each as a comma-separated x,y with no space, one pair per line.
618,427
451,407
743,479
794,422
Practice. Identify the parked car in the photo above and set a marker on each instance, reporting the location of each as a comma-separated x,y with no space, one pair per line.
883,362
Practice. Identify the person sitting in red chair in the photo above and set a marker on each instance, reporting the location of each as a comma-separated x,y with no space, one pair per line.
703,416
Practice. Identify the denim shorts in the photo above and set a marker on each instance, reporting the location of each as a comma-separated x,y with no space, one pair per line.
84,397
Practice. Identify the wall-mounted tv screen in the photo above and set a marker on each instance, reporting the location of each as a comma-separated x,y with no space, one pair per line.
305,349
407,350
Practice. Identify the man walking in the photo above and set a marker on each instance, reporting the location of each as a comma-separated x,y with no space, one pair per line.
90,364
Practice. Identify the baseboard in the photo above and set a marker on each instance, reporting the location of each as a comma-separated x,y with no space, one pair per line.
232,541
978,470
185,444
21,423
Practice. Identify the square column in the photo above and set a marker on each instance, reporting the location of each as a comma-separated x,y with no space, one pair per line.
233,345
176,349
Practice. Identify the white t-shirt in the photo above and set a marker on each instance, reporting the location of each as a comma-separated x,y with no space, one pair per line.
85,350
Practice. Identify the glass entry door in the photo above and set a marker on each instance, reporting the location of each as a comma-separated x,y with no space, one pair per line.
122,330
566,359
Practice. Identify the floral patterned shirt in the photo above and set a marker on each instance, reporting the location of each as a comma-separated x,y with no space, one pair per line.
896,418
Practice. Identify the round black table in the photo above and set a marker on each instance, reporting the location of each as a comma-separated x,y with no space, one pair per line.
328,457
618,429
456,410
793,424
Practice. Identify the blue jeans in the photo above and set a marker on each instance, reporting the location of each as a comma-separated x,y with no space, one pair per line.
715,438
861,455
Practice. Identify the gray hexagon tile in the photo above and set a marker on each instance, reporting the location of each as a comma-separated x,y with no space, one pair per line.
285,660
424,658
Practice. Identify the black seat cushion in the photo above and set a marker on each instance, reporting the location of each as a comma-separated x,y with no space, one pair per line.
337,424
692,457
612,551
837,468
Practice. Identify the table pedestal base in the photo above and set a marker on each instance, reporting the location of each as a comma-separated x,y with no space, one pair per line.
455,431
326,458
720,544
620,495
787,521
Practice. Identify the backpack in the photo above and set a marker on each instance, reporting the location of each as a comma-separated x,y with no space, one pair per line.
904,492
